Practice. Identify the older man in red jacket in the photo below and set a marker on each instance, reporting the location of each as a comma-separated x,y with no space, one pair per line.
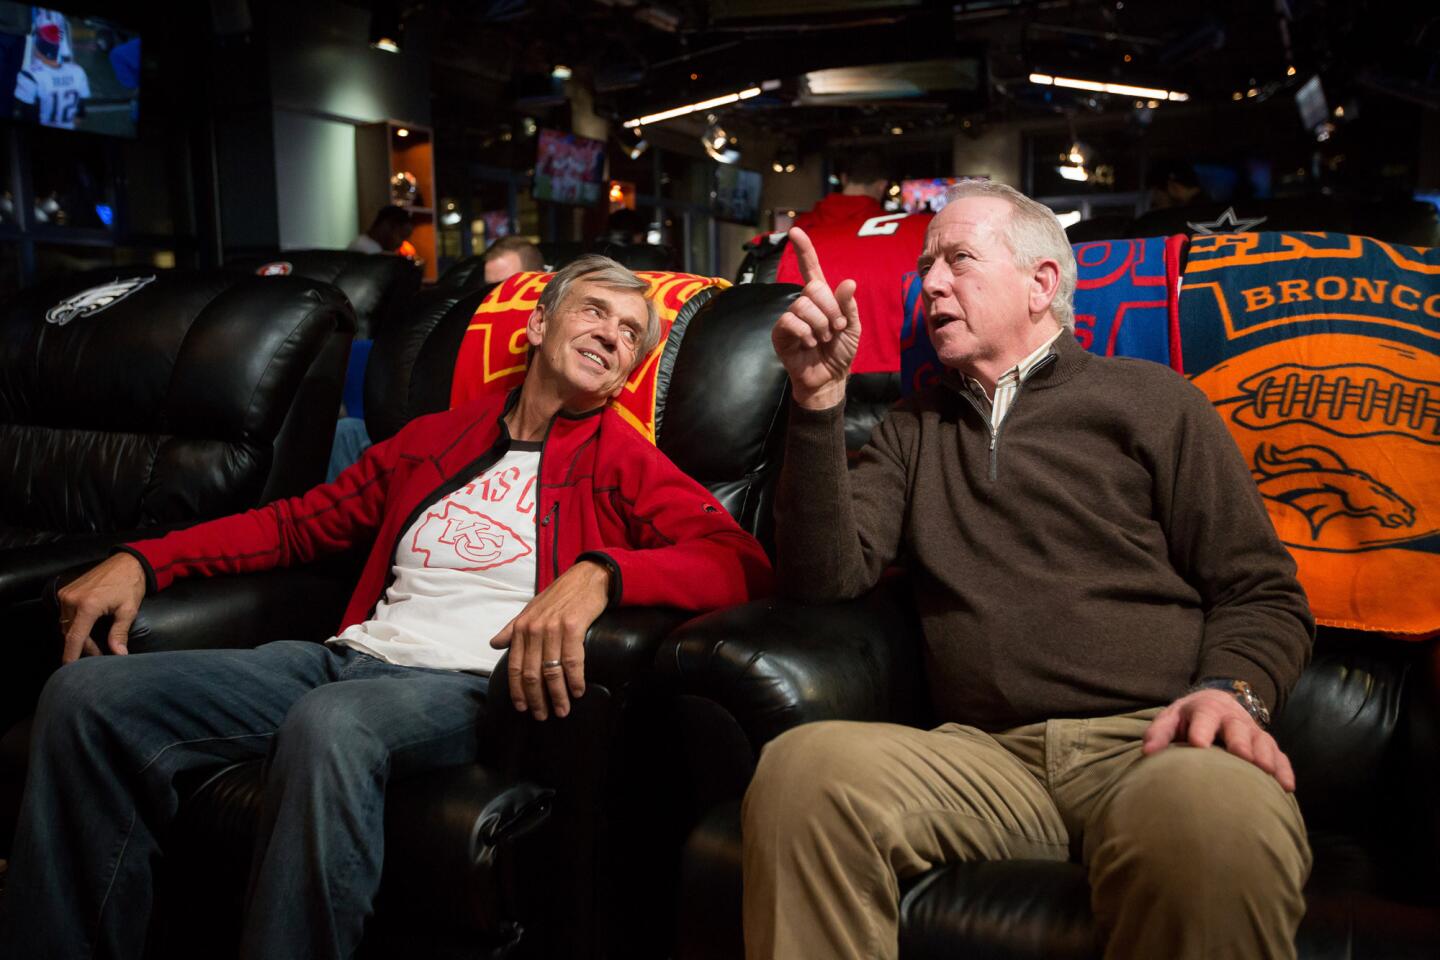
508,522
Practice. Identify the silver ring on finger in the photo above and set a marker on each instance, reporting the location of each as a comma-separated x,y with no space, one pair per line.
550,664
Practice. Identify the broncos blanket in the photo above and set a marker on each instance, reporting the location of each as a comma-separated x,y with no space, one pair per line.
493,353
1322,354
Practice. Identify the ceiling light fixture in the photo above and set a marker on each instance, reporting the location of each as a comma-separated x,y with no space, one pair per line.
710,104
632,142
721,146
1096,86
1073,162
386,28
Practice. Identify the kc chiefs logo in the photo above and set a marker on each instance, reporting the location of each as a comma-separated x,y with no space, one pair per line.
458,538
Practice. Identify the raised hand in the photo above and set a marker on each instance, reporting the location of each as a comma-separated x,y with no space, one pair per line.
817,337
111,589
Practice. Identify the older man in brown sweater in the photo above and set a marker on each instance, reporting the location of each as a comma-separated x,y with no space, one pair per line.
1108,617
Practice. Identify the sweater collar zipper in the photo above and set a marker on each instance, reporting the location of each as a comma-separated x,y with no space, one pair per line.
994,430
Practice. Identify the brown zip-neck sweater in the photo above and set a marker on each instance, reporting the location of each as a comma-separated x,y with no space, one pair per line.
1098,553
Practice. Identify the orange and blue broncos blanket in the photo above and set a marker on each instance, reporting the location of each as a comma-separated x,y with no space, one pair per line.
1322,354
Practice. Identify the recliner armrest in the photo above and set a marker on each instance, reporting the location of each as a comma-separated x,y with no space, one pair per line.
773,665
297,603
620,649
24,571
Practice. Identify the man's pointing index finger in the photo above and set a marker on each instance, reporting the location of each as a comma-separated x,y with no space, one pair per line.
805,257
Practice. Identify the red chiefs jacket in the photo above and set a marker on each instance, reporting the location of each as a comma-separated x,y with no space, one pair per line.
605,493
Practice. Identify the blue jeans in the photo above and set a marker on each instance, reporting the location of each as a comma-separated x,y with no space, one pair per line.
112,733
351,440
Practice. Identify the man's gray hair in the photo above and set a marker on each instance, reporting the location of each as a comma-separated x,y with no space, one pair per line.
1033,234
603,270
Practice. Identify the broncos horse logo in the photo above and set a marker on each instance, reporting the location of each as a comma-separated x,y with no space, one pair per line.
1320,485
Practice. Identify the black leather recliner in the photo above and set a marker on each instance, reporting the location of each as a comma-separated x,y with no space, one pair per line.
518,855
176,398
1362,729
134,402
379,286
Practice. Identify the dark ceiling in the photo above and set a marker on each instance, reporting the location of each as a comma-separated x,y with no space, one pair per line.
641,57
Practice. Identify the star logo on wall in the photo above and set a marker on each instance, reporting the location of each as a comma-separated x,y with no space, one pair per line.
1225,223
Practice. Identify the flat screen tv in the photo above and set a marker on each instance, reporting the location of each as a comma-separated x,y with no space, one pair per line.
737,195
925,196
569,168
69,72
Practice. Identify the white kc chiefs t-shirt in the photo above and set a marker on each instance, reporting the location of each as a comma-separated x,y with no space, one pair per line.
462,571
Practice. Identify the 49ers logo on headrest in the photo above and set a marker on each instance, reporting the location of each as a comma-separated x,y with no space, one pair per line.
93,300
275,268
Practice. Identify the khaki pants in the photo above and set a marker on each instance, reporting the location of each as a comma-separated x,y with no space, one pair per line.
1191,853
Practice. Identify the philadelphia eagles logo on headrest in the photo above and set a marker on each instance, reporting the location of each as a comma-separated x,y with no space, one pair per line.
94,300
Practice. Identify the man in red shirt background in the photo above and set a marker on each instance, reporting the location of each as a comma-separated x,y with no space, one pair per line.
856,239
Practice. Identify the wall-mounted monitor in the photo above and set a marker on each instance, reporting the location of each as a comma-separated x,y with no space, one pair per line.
569,168
1310,101
69,72
925,196
737,195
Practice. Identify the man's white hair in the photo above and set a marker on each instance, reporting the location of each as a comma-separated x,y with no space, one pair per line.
1033,234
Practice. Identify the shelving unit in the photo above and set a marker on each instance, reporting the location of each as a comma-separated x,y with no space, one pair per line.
385,149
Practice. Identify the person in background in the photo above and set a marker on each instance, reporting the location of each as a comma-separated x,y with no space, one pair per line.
1173,183
388,231
863,183
854,236
511,255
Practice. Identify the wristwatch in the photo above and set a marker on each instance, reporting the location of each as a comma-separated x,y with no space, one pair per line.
1242,692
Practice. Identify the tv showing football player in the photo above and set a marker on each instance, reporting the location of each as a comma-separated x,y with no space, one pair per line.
69,72
568,168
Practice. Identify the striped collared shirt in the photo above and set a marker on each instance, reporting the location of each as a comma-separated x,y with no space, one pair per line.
1009,383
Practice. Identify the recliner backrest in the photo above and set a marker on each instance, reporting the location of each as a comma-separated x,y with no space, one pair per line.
398,386
155,400
720,410
379,286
